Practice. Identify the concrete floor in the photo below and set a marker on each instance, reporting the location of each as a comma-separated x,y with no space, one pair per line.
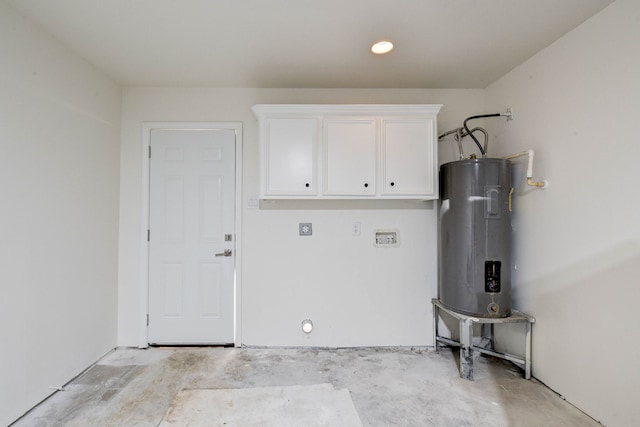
389,387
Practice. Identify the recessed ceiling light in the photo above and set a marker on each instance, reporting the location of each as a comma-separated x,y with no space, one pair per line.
381,47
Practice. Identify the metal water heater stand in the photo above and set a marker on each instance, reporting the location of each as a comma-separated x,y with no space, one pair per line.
468,350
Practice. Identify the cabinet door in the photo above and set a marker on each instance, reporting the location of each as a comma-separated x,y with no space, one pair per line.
408,157
349,157
289,158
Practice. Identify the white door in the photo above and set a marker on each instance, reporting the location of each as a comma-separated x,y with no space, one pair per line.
191,237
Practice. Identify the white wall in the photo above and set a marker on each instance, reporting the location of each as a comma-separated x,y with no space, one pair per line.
59,133
577,244
355,294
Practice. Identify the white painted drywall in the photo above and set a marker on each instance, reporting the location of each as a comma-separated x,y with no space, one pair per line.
59,133
355,294
577,243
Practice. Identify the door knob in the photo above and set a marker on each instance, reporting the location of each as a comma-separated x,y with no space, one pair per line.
227,252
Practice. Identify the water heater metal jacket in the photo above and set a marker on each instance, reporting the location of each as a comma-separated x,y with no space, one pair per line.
475,237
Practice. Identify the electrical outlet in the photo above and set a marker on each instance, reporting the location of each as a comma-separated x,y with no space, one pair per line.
253,202
355,228
305,229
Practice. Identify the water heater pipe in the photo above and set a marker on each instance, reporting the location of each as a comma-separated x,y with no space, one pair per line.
530,153
483,151
460,134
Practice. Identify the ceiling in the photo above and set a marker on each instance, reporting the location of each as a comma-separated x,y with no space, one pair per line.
307,43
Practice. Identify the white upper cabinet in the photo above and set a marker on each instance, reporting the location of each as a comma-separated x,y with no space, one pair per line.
348,151
408,157
349,157
289,148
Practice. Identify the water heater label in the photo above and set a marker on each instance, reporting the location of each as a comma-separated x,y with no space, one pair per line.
492,276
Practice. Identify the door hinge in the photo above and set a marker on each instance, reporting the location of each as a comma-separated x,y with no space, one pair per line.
148,235
149,151
147,319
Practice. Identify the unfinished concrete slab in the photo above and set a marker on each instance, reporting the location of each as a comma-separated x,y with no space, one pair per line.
317,405
388,387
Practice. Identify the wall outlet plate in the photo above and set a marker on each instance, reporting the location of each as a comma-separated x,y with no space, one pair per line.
305,229
253,202
355,228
